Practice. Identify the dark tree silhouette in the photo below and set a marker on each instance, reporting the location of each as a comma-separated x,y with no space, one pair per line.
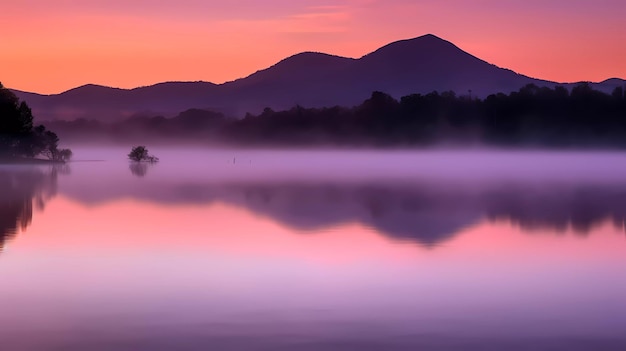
18,137
140,154
532,116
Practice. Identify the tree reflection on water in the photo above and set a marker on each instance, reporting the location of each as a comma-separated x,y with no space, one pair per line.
23,190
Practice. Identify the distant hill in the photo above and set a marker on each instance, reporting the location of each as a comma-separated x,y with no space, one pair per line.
418,65
104,103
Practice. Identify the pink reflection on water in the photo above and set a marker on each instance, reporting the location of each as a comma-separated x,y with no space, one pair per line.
219,270
183,259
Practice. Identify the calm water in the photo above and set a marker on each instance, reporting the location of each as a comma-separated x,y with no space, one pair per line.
234,250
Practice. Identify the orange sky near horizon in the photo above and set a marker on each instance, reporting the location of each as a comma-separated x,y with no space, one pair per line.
49,48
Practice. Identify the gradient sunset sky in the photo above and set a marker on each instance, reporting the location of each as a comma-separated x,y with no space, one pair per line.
51,46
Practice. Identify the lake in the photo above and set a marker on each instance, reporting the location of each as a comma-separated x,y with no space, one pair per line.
315,250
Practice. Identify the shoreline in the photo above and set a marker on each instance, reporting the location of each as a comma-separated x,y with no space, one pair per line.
28,161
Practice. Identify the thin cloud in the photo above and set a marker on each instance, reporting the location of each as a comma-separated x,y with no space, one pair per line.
313,19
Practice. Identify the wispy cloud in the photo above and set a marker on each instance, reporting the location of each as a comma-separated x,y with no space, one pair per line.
310,19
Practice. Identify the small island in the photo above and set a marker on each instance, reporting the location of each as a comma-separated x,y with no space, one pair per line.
21,141
140,154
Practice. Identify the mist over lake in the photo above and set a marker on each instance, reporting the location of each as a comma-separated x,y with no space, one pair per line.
241,249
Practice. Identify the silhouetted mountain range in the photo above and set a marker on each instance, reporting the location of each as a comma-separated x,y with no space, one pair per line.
420,65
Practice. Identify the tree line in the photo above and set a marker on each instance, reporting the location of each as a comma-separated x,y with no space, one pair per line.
532,116
19,138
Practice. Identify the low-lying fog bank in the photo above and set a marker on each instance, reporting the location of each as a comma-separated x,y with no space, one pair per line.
436,165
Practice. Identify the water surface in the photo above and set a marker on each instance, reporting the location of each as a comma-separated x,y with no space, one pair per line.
268,250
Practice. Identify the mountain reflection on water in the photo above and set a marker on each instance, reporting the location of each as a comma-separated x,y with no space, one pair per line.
216,255
24,188
424,212
430,216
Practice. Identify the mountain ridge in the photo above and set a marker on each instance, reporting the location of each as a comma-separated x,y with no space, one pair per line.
313,79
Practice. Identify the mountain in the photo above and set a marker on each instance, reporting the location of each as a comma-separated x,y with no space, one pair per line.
104,103
419,65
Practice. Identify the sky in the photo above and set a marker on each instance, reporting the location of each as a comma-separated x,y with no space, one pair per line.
52,46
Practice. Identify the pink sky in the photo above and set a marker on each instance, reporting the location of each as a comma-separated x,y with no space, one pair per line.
49,47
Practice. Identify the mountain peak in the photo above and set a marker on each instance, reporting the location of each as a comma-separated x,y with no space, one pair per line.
428,36
428,44
90,89
613,81
305,65
311,58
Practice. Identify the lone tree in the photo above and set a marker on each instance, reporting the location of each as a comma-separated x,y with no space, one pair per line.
18,137
140,153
